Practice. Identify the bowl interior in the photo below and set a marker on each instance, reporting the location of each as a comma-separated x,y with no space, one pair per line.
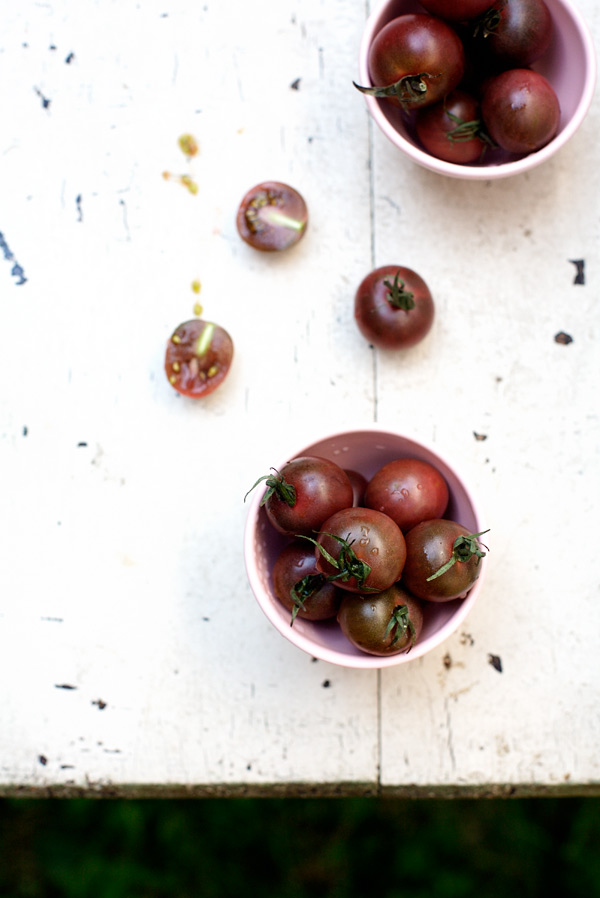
569,64
365,451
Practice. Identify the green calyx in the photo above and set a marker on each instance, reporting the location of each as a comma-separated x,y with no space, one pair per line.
303,590
276,485
464,131
410,89
347,564
397,296
401,622
464,548
487,24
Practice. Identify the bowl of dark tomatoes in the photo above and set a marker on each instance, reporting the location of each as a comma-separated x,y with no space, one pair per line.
365,548
477,89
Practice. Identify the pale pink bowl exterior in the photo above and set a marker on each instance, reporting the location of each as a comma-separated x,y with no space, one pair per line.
569,65
366,451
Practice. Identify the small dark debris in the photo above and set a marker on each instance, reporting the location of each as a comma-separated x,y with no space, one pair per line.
81,444
25,430
563,339
78,206
248,766
67,766
314,660
326,684
52,47
206,619
100,704
43,760
580,270
496,663
56,620
480,436
466,639
447,661
45,101
64,686
69,59
295,85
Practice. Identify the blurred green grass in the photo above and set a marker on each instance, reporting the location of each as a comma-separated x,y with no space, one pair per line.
298,848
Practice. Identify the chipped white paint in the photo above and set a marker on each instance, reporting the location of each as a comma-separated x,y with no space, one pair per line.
121,527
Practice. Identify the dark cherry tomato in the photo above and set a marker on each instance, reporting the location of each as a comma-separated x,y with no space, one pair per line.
306,492
415,60
385,624
516,32
520,110
272,216
442,560
393,307
198,357
409,491
359,485
452,129
455,10
300,587
363,549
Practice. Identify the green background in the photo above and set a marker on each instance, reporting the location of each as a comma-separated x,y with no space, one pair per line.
291,848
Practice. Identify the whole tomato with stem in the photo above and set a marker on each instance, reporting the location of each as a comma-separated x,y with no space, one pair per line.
304,493
360,549
198,357
415,60
300,587
516,33
442,560
393,307
453,129
409,490
521,110
384,624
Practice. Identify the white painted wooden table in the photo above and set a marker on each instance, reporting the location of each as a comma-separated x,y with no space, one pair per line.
134,659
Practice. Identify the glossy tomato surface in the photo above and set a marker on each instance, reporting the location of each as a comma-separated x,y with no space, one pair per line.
384,624
409,491
452,129
272,216
368,549
420,54
455,10
393,307
429,547
198,357
516,32
520,110
305,492
300,587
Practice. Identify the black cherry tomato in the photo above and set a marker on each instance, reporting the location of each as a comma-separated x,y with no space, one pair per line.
272,217
515,32
415,60
198,357
300,587
363,550
359,485
393,307
384,624
442,560
452,129
409,490
305,493
521,110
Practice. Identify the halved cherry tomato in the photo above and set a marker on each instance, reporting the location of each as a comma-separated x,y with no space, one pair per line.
198,357
272,217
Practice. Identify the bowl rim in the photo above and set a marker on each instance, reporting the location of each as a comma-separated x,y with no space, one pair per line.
333,656
375,23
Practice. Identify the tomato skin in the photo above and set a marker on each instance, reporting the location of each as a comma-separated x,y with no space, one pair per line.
455,10
272,216
521,110
364,621
417,44
380,322
375,539
198,357
435,129
409,490
429,546
521,31
295,562
359,485
322,488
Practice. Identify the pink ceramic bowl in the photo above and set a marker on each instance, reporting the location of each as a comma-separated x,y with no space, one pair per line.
365,451
569,65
